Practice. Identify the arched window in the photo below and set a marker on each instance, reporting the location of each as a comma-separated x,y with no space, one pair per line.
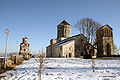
70,55
65,32
104,32
66,56
107,33
111,34
68,32
59,54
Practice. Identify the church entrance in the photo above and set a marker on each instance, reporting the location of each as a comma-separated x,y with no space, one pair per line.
70,55
108,49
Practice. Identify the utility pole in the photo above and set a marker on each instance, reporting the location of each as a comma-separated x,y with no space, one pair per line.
16,52
7,33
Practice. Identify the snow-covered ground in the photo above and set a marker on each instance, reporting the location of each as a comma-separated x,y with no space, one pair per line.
66,69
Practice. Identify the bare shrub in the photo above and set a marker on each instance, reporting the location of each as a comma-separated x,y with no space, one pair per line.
9,63
19,59
39,58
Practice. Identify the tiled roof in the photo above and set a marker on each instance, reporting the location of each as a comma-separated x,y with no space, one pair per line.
25,38
67,40
64,23
104,26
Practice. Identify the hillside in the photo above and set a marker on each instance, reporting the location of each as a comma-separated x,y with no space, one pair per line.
66,69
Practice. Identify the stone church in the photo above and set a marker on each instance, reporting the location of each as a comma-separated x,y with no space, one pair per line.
67,46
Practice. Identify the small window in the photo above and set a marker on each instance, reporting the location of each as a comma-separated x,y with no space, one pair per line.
24,49
66,56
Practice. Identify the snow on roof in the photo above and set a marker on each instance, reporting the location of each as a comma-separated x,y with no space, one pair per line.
67,40
65,43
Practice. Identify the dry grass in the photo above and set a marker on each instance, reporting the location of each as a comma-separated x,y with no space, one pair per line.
5,70
2,76
10,67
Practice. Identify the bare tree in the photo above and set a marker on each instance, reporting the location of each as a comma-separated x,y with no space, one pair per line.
116,49
119,50
87,26
39,58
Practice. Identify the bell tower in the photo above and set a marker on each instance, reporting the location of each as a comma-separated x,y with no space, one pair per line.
104,37
63,30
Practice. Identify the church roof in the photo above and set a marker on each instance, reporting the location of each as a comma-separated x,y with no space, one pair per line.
65,41
64,23
104,26
25,38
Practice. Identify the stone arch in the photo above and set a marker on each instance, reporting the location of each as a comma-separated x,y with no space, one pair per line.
108,47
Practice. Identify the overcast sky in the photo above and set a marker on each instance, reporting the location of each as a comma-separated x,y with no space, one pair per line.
38,19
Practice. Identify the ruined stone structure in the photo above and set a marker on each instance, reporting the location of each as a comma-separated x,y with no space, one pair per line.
24,47
65,45
104,37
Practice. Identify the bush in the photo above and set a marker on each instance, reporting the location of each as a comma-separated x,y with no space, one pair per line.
12,58
19,59
9,63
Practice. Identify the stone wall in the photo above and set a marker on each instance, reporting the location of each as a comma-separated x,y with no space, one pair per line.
69,50
80,42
